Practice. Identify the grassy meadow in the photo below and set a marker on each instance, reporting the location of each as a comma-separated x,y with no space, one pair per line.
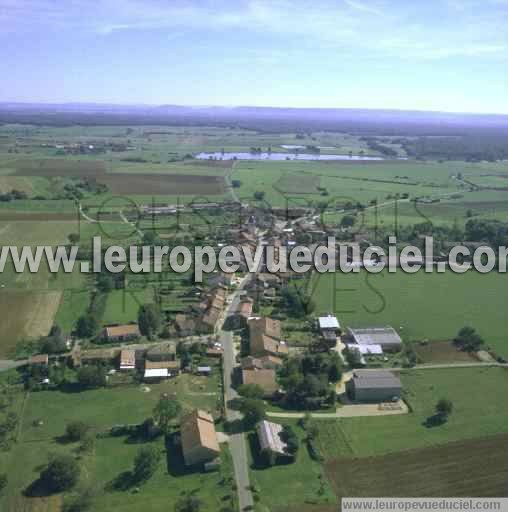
419,306
44,415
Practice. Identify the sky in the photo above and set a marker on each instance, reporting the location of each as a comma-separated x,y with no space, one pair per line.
445,55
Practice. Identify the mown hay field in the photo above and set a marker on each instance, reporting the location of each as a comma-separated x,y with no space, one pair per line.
157,184
25,315
58,167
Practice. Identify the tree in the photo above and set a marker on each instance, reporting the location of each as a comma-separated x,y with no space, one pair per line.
54,342
61,474
3,482
411,356
87,444
253,412
297,302
145,463
73,238
166,410
353,358
444,408
92,376
188,503
468,339
150,238
149,320
105,282
290,438
348,221
87,326
335,372
76,430
251,391
52,345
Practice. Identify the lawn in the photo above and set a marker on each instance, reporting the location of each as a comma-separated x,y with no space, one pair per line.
45,414
113,455
122,306
420,306
480,401
280,486
74,304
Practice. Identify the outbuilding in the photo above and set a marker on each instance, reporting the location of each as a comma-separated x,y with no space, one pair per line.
387,337
374,386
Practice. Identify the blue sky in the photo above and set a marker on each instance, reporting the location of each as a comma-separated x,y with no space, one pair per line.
449,55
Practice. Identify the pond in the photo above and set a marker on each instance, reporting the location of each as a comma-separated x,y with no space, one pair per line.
218,155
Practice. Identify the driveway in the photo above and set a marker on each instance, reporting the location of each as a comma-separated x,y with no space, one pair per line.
351,411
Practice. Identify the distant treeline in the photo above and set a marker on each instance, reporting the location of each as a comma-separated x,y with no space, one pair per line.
373,144
471,148
262,119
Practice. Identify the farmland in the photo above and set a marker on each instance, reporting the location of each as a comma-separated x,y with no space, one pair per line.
421,306
455,469
59,175
479,410
398,455
26,314
34,233
157,184
30,302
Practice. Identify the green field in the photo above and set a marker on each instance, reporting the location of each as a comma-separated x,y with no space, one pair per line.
155,165
122,306
479,397
420,306
44,416
354,447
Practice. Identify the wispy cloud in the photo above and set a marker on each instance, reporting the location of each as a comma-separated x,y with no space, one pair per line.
363,6
435,29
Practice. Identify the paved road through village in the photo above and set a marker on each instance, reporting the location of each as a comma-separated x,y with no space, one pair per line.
237,442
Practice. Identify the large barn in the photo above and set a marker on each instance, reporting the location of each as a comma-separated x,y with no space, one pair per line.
386,337
374,386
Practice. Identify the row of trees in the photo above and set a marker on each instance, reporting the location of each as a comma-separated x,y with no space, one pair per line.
13,195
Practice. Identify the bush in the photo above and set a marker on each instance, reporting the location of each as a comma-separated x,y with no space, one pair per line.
82,501
3,482
92,376
76,431
145,463
61,474
87,326
251,391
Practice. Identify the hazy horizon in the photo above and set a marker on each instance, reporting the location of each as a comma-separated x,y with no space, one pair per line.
445,56
243,106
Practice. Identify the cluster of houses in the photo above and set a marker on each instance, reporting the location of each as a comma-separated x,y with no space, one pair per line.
205,317
266,349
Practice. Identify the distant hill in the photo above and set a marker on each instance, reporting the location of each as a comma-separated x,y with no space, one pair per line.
269,119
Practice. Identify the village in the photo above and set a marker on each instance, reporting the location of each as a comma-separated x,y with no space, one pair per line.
247,356
240,364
